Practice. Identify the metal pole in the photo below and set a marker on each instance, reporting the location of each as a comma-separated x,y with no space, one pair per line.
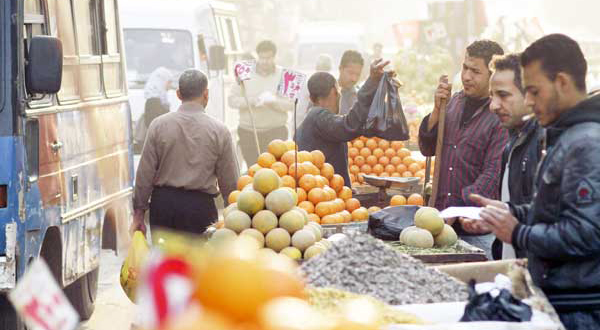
251,116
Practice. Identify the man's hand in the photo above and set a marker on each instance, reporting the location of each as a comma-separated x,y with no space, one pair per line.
377,69
497,216
138,222
442,94
476,227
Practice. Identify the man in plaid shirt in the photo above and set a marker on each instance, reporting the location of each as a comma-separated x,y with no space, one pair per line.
473,138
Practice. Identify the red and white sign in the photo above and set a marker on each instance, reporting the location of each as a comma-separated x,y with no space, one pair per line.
165,289
40,302
244,70
291,83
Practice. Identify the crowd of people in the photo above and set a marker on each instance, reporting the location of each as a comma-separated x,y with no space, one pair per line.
521,140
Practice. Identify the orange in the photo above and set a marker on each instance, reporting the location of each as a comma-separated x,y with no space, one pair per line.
359,161
395,160
415,199
322,181
358,144
390,168
401,168
291,145
352,152
354,169
352,204
301,194
327,171
253,169
350,161
324,208
408,160
345,193
331,194
378,169
316,196
352,178
407,174
233,196
384,144
339,204
366,168
243,181
336,182
346,215
421,163
266,160
288,181
304,156
403,152
397,145
365,152
396,175
338,217
307,182
384,160
389,153
311,168
288,158
384,175
318,158
329,219
414,167
360,178
307,206
378,153
397,200
277,148
301,170
371,144
363,139
360,214
374,209
280,168
314,218
349,144
372,160
420,174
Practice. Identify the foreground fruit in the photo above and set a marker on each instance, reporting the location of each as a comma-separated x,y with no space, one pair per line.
257,235
237,221
420,238
292,252
279,201
264,221
313,251
292,221
303,238
250,202
265,181
278,239
447,237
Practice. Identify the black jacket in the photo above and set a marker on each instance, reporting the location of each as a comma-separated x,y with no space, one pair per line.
560,229
328,132
526,147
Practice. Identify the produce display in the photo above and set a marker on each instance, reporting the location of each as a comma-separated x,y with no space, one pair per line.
429,231
368,266
315,186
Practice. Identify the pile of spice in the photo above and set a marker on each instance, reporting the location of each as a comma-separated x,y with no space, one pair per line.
364,265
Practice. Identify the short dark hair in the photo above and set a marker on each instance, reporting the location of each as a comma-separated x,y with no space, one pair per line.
320,85
558,53
192,84
484,49
351,57
266,46
510,62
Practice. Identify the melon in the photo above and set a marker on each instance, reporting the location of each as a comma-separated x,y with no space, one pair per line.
316,231
229,208
237,221
278,201
313,251
223,234
292,221
278,239
420,238
294,194
402,238
326,242
292,252
303,211
430,219
250,202
264,221
254,234
265,181
447,237
303,238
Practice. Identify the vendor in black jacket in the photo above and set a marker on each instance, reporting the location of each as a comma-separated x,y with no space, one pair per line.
323,129
560,229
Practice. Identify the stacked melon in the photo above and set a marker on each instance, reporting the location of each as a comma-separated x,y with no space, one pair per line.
382,158
429,230
266,211
320,192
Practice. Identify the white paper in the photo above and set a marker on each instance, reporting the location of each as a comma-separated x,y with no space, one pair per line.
40,302
469,212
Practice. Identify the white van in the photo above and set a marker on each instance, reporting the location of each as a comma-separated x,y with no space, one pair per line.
177,35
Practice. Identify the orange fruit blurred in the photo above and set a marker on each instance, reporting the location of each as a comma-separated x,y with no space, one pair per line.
371,144
378,153
324,208
389,168
414,167
253,169
288,158
352,152
316,196
358,144
266,160
378,169
337,182
408,160
339,204
352,178
384,175
365,152
374,209
403,152
280,168
397,200
366,168
354,169
359,161
395,160
322,181
350,161
345,193
372,160
420,174
352,204
331,194
363,139
396,175
314,218
301,194
384,144
415,199
384,160
311,168
304,156
291,145
318,158
422,163
349,144
389,153
277,148
288,181
360,178
397,145
329,219
327,171
407,174
307,182
233,196
401,168
301,170
307,206
346,215
360,214
243,181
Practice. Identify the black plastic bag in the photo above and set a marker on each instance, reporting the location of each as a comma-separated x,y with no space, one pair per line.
386,117
389,222
504,307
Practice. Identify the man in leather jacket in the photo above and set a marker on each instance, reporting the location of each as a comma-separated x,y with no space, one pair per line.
560,229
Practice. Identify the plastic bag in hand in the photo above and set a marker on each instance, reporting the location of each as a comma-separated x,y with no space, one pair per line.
130,270
386,117
502,307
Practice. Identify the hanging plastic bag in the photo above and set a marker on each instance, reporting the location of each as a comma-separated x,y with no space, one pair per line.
388,223
386,117
501,307
130,270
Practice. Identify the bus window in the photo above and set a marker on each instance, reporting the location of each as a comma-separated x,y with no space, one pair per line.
89,48
111,58
35,24
61,25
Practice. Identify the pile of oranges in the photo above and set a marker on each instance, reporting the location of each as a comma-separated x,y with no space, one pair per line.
378,157
321,192
413,199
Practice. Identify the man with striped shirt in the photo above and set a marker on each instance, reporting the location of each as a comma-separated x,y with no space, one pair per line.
473,138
